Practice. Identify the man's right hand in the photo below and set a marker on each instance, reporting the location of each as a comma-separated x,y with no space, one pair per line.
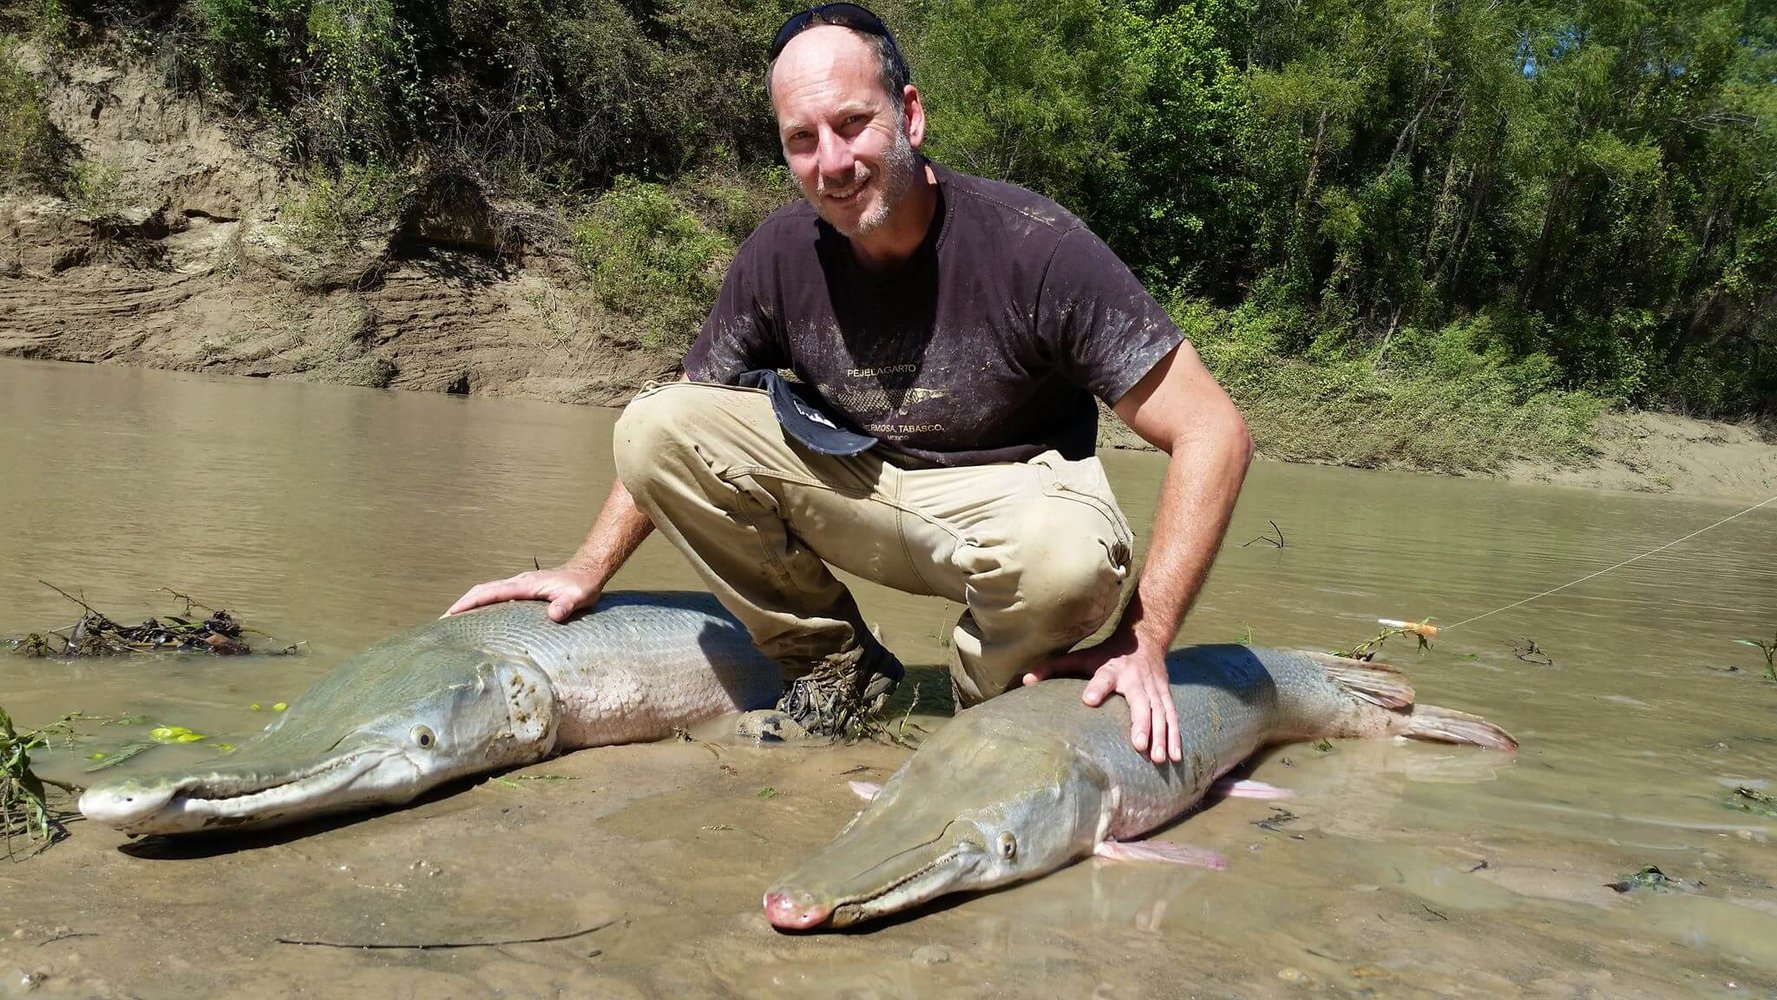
566,589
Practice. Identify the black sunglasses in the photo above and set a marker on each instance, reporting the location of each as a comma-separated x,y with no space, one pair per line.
846,15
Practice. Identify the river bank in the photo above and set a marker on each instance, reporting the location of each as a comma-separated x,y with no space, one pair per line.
176,257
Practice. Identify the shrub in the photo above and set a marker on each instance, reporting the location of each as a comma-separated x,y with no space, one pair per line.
94,188
28,142
336,210
651,258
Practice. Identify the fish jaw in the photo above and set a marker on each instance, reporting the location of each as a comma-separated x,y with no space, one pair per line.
1040,807
241,798
911,877
343,748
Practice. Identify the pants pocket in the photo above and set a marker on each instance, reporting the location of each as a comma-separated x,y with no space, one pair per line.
1084,482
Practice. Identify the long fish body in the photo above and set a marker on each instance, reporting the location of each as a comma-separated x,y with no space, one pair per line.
494,688
1033,780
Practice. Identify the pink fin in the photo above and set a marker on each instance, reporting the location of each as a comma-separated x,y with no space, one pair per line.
1161,850
1250,790
866,790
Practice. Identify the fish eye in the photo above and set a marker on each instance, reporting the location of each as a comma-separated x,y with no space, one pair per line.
422,736
1008,845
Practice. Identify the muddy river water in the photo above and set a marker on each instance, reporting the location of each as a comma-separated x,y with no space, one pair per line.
337,516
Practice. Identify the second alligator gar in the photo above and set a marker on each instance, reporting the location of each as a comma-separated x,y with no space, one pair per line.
494,688
1033,780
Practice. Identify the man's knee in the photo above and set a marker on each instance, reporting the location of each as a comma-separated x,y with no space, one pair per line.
660,425
1066,577
1071,585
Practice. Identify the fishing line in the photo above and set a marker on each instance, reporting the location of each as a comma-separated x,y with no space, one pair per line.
1607,569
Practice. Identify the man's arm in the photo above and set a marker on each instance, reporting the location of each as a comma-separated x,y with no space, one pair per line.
1179,408
577,583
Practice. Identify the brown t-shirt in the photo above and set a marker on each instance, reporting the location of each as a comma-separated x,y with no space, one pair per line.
986,346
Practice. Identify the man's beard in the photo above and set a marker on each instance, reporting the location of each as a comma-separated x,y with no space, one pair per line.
898,167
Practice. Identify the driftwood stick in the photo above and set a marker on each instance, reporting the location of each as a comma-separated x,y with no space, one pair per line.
434,946
1279,543
189,602
89,608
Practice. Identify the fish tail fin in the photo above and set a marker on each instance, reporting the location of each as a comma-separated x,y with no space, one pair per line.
1446,725
1377,683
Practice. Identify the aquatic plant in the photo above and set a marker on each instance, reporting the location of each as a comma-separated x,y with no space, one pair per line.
1767,648
24,808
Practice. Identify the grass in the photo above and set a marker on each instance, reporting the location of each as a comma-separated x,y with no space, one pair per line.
1440,400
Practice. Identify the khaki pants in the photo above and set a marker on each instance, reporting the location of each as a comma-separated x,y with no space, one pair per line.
1037,551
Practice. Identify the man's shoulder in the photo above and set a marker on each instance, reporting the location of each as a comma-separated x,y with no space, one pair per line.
795,225
1007,203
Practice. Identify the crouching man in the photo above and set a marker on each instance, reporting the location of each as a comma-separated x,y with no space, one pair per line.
947,336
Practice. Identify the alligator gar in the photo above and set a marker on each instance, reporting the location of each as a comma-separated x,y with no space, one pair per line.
1033,780
494,688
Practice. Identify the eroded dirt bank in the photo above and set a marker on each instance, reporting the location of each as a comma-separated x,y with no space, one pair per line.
186,267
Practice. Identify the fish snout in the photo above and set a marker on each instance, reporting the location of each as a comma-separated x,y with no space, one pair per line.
793,910
121,803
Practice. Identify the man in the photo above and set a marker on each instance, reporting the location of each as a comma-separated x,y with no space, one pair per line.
948,334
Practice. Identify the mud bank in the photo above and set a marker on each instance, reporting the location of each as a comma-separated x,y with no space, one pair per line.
183,265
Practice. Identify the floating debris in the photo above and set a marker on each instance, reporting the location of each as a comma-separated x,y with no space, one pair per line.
1423,631
215,632
1527,650
1770,651
1651,877
1275,542
1751,800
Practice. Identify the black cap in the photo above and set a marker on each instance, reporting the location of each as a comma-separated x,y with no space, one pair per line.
803,419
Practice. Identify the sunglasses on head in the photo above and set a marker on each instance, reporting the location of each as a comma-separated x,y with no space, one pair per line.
845,15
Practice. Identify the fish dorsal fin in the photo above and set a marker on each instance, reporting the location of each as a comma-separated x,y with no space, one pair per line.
1376,683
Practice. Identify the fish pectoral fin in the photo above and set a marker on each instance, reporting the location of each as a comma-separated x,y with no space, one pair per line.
866,790
1161,850
1250,790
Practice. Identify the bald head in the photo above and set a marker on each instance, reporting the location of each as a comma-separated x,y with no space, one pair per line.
836,42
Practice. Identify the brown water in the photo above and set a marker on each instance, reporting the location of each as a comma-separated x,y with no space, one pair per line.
337,516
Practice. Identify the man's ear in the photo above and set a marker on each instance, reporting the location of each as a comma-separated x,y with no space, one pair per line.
915,111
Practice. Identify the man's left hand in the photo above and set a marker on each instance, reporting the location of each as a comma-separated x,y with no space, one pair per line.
1139,675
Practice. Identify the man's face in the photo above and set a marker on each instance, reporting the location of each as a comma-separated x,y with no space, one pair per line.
843,138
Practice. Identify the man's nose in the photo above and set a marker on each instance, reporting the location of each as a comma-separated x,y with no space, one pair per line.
836,158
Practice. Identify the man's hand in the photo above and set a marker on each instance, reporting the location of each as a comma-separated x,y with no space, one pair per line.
566,589
1139,675
575,584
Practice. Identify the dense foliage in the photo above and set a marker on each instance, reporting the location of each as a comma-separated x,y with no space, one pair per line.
1531,197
